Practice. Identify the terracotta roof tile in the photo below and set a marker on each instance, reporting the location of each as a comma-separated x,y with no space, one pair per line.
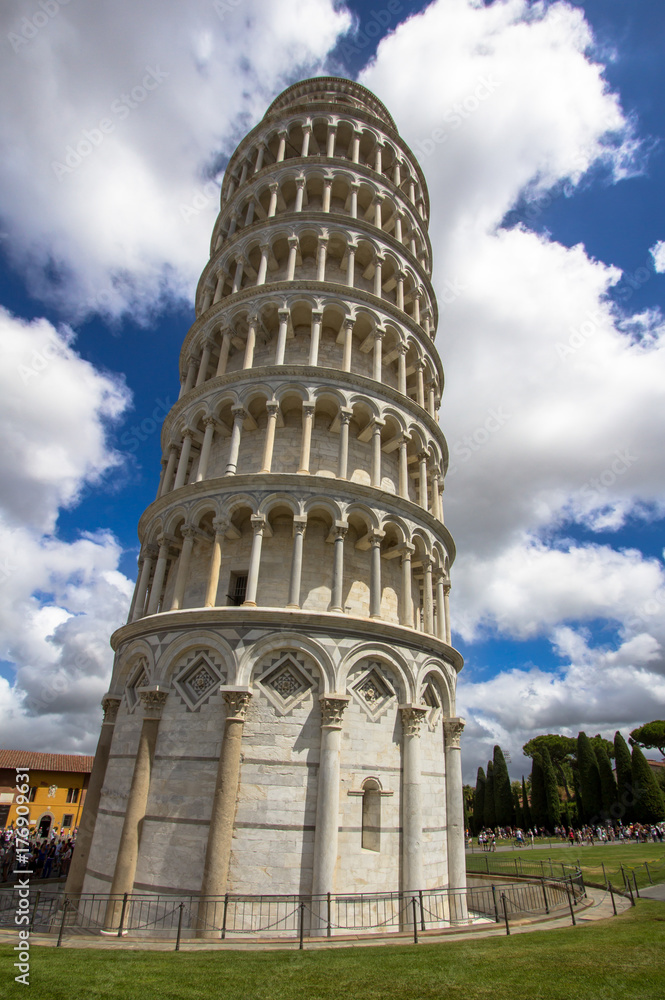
46,761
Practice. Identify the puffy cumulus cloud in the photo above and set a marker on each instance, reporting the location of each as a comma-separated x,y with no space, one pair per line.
55,408
59,601
598,690
657,251
116,119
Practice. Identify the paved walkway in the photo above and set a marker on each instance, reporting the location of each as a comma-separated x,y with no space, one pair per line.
654,892
598,907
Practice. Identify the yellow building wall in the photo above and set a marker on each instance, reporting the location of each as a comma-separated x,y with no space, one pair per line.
51,798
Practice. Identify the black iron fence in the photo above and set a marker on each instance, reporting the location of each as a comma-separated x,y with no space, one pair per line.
235,916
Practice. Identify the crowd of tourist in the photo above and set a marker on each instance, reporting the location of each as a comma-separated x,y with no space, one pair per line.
49,857
488,839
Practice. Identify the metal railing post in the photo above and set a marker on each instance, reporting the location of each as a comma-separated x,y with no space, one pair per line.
177,940
301,931
122,914
637,891
505,912
422,910
62,922
646,865
630,890
415,920
224,913
34,910
570,904
329,917
547,907
496,908
611,891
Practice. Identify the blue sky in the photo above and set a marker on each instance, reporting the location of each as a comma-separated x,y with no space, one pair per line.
547,217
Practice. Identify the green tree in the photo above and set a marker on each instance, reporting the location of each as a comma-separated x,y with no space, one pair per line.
503,798
538,797
563,754
608,786
517,806
489,812
624,777
649,805
552,799
479,802
526,809
650,736
589,775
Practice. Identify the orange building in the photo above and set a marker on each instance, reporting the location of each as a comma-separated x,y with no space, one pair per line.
57,783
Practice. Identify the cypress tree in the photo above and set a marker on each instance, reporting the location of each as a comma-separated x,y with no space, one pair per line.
592,800
624,777
489,812
538,799
519,815
479,802
649,805
526,810
608,786
503,797
552,799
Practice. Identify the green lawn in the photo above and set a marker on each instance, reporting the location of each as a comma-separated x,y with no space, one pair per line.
631,856
610,960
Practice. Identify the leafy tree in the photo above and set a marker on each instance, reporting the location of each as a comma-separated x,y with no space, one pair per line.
649,805
552,800
624,776
519,814
563,754
608,785
503,797
538,796
592,800
489,812
479,802
650,736
526,810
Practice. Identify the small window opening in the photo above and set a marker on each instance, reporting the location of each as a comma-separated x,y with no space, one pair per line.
371,819
237,589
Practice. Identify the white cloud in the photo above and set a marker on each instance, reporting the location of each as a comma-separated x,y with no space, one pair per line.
176,86
59,601
657,251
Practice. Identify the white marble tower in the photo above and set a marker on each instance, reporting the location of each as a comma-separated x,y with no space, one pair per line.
281,716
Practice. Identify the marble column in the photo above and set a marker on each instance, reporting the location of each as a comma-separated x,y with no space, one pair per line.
406,608
272,409
413,877
152,701
280,349
327,801
220,525
446,608
160,573
86,829
452,729
259,525
224,353
317,318
337,592
149,556
183,462
299,527
220,832
182,576
375,574
209,424
167,481
345,415
306,444
239,415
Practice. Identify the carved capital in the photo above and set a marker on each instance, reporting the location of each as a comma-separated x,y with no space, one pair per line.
332,710
412,718
153,700
220,524
110,704
452,729
237,703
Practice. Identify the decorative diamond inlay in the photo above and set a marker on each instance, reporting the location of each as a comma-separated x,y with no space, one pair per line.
201,681
286,682
370,691
198,679
373,692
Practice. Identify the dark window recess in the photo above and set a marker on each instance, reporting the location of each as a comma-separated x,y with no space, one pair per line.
33,792
72,794
237,589
67,821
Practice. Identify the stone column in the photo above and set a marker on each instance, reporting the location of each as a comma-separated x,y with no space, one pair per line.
422,479
378,280
293,258
430,400
321,258
337,594
258,527
327,192
220,525
401,368
149,556
188,534
220,833
219,287
299,526
160,573
412,811
263,265
428,603
351,265
239,414
152,700
375,472
272,409
306,133
205,361
345,415
440,608
452,729
403,468
248,359
281,149
184,459
355,187
307,421
191,375
272,206
327,800
224,353
406,610
209,423
237,277
377,372
332,135
398,224
348,344
86,828
375,574
259,158
377,203
300,193
399,294
420,392
317,317
377,160
280,349
167,481
446,607
355,146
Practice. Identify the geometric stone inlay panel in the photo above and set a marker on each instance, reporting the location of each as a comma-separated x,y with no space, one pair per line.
373,692
285,683
197,680
138,679
430,697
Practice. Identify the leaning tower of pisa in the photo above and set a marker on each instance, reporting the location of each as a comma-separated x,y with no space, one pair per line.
281,716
